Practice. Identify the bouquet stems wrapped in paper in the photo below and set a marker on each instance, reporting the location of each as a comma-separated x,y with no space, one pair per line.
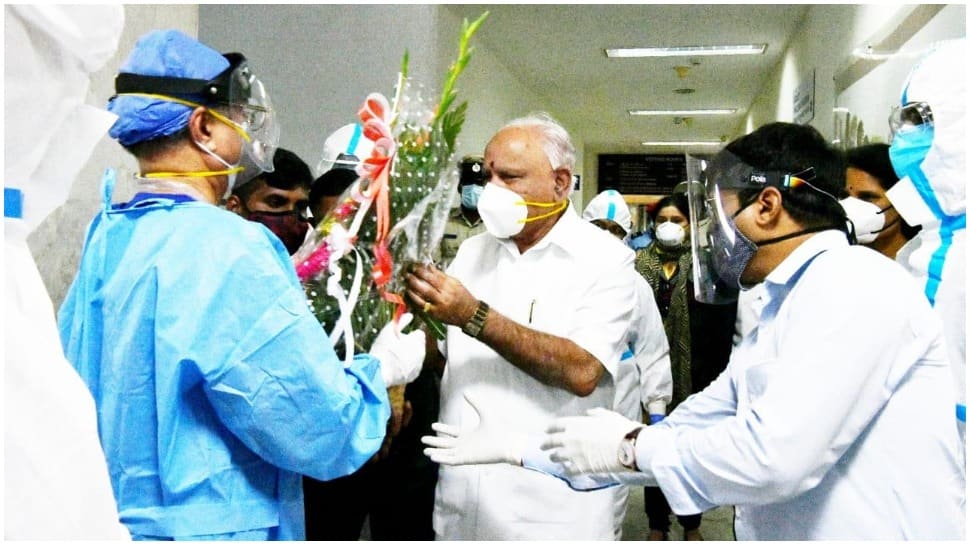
393,216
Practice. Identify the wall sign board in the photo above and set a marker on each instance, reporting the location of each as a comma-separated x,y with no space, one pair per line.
641,174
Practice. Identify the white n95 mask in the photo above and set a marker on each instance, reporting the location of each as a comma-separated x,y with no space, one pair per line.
866,217
505,212
670,234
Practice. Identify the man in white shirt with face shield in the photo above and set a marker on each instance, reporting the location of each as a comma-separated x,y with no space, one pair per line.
830,421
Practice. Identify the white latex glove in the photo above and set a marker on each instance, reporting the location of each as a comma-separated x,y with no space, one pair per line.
401,355
479,445
589,444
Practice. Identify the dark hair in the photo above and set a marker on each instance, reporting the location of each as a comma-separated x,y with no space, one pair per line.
793,148
677,200
148,149
289,172
873,159
471,171
332,183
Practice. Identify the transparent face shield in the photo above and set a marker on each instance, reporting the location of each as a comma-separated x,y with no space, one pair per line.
250,106
721,253
712,235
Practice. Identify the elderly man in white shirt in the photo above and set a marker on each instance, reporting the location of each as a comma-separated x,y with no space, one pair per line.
538,310
832,419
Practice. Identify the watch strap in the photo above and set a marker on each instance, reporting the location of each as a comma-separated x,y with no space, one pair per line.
473,327
631,438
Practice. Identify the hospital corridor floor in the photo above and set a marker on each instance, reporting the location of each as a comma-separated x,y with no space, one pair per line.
716,524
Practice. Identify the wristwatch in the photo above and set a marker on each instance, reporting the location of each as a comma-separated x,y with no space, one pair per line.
628,450
474,326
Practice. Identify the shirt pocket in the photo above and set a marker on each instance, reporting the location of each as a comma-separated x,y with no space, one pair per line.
757,378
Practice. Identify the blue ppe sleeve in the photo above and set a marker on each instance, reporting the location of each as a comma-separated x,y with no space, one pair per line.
281,388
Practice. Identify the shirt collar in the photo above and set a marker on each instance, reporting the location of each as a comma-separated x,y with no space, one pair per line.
795,262
566,234
458,215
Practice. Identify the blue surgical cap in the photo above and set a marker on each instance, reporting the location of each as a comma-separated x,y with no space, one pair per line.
161,53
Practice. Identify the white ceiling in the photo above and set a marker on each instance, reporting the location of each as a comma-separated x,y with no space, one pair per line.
558,52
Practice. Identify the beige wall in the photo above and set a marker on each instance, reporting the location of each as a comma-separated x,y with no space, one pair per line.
494,94
56,243
825,44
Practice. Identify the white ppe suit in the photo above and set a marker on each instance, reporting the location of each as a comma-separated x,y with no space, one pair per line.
56,483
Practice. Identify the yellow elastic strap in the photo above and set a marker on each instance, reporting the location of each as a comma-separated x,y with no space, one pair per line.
196,174
561,206
235,126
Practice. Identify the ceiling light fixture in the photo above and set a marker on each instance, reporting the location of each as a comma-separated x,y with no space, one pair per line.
686,51
684,143
713,111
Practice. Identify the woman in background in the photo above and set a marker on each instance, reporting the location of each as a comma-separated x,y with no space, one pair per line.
700,335
868,175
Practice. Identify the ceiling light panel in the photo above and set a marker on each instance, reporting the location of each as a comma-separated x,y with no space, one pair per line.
713,111
684,143
686,51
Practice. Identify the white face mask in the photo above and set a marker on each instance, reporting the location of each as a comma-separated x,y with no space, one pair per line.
233,169
505,212
670,234
867,218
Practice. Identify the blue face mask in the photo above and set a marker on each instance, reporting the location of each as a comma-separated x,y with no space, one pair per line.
470,194
909,148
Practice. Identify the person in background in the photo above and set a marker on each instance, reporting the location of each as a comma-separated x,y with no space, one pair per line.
464,221
394,491
666,266
869,174
648,350
56,482
215,385
277,199
643,381
810,432
539,308
342,152
929,153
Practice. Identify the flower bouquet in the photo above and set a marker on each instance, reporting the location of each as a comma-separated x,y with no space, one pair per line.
392,216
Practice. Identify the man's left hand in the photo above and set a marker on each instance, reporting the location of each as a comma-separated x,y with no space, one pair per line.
440,296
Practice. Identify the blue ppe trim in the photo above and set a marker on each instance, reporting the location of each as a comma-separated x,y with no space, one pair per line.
948,224
961,412
654,418
107,187
626,355
611,211
13,202
352,145
141,199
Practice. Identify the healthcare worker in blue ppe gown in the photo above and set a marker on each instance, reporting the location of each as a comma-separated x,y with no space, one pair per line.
215,386
929,154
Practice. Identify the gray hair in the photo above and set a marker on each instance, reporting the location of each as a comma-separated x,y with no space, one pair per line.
557,145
